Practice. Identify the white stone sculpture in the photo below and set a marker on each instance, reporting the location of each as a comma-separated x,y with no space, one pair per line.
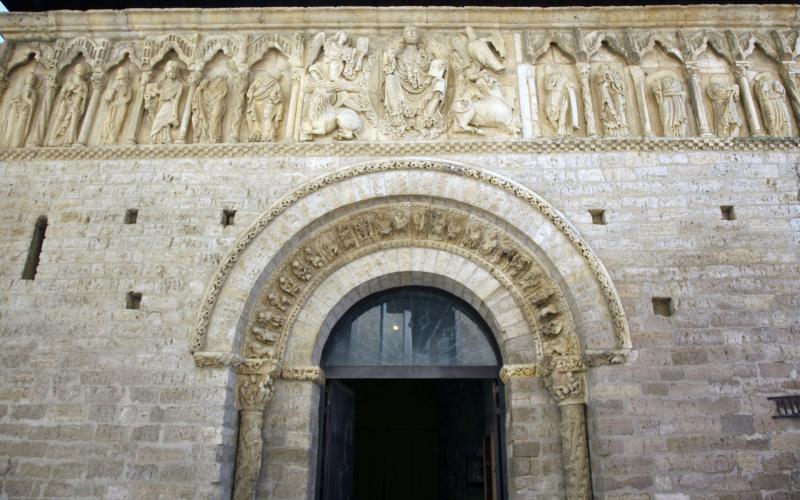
612,102
117,96
771,96
70,108
20,113
480,99
671,100
162,100
208,109
337,87
561,107
414,85
264,108
724,97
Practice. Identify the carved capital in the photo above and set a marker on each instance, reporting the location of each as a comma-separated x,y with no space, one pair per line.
98,79
255,392
194,77
740,69
568,388
584,70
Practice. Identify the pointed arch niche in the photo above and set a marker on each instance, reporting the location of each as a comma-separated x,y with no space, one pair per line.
506,251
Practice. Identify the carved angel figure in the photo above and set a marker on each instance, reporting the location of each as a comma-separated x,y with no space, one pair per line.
561,107
671,100
726,116
414,86
20,113
611,94
264,108
70,108
117,96
771,98
337,87
208,109
480,99
161,99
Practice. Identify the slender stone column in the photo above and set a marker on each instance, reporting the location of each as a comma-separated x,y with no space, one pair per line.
194,77
788,75
641,99
136,111
255,391
237,110
586,94
740,70
43,120
693,76
523,76
567,384
91,111
574,450
295,115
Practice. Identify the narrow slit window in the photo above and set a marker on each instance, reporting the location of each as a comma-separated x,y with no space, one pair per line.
727,212
35,250
133,300
598,216
662,306
228,217
131,215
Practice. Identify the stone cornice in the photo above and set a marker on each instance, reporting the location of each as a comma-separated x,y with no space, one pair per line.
241,150
21,25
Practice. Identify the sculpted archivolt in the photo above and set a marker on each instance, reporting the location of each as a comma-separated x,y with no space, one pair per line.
409,84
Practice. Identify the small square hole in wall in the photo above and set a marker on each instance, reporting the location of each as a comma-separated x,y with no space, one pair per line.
228,216
598,216
662,306
131,215
133,300
727,212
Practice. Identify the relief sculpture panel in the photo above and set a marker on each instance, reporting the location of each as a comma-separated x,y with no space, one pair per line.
414,84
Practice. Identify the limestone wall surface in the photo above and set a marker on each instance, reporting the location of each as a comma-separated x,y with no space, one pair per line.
99,401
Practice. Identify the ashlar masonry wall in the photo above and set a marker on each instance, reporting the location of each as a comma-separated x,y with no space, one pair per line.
100,401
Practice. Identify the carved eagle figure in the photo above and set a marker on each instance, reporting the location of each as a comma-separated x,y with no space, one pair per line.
489,51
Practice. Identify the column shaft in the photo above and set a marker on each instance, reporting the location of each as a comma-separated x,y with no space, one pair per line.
586,95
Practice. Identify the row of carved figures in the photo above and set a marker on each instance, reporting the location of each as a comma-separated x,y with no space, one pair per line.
561,105
333,92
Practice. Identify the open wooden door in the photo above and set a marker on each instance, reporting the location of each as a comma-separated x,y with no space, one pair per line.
337,475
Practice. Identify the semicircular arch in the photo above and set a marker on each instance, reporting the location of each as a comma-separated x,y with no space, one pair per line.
587,283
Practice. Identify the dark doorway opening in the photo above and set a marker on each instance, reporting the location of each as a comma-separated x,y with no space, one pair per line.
420,439
413,409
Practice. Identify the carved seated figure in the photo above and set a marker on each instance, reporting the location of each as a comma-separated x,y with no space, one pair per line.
414,86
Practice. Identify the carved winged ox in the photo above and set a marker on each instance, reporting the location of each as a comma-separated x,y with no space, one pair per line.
480,99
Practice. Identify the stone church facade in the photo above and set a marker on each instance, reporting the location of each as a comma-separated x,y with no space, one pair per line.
195,199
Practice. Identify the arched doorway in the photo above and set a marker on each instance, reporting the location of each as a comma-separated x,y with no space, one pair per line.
413,407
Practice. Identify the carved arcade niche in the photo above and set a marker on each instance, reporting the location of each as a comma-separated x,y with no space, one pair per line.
413,84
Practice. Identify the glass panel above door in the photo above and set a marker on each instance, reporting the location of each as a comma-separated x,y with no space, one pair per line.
410,326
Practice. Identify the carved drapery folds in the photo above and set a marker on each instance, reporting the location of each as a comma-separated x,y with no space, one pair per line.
323,86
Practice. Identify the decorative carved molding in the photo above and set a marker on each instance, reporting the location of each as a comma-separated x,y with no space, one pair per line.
509,372
387,149
304,374
408,224
601,275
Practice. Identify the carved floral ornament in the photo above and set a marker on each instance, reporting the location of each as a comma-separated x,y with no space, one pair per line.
415,85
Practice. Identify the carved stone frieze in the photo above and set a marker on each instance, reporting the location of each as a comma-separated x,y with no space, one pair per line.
319,84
